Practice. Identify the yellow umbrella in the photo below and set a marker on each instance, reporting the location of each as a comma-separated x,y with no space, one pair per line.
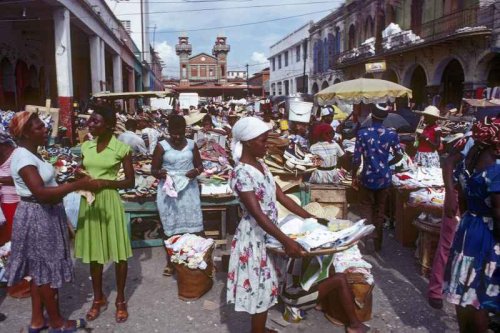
362,90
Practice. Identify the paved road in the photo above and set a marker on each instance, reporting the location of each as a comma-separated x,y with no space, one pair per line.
399,303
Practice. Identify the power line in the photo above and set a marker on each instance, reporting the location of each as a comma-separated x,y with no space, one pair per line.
230,8
238,25
185,2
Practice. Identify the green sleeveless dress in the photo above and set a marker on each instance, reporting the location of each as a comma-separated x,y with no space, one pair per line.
102,233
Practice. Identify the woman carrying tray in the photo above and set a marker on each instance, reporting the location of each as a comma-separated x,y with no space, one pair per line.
253,275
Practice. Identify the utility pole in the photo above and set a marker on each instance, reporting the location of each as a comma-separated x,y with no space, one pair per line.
248,87
304,47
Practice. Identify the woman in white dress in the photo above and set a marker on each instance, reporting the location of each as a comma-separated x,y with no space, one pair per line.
254,275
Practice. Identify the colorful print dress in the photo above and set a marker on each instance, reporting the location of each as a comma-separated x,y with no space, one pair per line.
254,276
473,274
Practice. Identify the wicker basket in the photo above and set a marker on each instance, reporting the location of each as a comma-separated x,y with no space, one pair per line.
194,283
362,298
427,243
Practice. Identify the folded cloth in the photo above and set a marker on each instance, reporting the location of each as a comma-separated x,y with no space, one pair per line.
169,188
180,182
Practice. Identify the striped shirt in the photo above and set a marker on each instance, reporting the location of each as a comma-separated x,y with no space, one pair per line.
8,193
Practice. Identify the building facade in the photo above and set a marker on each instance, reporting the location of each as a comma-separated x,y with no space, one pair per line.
442,50
236,75
63,50
261,79
135,18
202,67
290,63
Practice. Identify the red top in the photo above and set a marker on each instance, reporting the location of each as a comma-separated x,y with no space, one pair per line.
429,132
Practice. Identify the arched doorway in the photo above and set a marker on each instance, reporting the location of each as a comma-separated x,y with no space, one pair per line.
352,38
452,83
369,28
42,84
390,75
32,91
315,88
418,83
416,16
324,85
494,72
22,81
8,85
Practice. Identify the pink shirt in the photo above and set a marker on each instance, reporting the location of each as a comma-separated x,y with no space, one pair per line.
8,193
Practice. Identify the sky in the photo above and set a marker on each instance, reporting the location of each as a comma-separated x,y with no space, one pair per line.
249,44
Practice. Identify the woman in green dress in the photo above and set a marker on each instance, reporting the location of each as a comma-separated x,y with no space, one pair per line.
102,233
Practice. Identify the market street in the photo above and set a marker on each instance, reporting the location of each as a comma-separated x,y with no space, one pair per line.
399,303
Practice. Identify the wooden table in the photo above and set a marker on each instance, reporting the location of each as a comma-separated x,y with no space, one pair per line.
404,214
145,214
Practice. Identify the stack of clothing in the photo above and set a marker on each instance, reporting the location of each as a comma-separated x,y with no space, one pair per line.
189,250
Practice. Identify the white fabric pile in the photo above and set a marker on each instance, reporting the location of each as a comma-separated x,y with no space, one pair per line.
189,250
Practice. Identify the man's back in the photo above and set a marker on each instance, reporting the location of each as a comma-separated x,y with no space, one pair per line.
375,144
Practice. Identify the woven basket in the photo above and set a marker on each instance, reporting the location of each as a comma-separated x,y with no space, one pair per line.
194,283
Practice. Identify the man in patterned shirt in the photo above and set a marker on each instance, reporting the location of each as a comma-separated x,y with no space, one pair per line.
374,146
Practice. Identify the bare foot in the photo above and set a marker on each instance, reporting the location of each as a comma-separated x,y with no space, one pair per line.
361,328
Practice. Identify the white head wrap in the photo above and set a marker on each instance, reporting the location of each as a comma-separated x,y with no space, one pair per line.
246,129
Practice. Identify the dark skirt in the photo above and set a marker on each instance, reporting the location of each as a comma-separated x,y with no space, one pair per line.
40,246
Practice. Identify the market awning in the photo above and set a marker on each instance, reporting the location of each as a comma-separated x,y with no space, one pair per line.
135,94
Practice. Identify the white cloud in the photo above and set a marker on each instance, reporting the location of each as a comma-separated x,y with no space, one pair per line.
167,54
259,60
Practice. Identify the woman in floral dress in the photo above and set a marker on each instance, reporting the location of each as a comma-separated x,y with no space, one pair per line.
254,275
473,275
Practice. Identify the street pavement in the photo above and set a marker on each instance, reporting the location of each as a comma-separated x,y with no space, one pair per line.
399,303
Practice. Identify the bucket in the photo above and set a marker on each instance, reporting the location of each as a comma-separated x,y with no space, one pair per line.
194,283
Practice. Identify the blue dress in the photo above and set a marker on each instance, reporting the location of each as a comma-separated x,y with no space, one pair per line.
182,214
473,274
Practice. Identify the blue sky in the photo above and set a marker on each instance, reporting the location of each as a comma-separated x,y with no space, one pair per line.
249,44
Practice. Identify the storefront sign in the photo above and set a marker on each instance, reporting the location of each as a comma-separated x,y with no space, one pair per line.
375,67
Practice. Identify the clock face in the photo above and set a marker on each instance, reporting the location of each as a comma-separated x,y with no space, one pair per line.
203,58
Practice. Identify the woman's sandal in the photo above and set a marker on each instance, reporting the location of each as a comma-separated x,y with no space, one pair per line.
96,309
79,323
121,312
39,329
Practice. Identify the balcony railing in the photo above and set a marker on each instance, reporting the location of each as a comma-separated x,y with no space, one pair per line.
183,48
468,20
457,22
221,48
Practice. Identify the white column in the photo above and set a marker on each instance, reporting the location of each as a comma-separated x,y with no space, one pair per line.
103,66
62,40
117,73
95,63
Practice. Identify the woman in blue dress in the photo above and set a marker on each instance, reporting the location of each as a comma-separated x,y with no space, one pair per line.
180,159
473,277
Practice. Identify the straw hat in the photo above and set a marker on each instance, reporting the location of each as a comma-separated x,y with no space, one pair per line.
282,211
432,111
324,212
286,183
193,117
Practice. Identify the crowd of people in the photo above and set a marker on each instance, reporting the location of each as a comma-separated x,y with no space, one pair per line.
465,266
